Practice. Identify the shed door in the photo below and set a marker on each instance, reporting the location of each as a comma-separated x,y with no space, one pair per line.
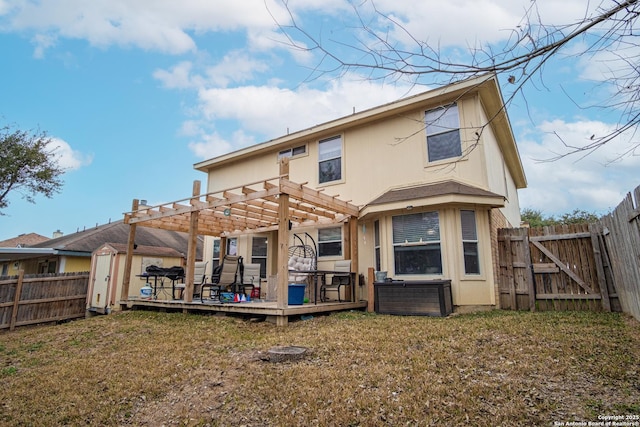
101,281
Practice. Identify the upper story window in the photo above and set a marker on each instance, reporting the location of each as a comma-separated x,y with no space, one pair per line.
416,244
470,242
443,133
292,152
330,159
330,241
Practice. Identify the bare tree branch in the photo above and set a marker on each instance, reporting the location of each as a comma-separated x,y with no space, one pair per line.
608,36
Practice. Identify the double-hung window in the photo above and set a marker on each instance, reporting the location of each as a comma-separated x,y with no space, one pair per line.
443,133
330,159
330,241
470,242
416,244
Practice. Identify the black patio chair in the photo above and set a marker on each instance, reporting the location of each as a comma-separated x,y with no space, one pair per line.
227,277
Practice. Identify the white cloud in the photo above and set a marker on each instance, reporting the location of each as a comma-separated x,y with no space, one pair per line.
67,157
272,111
178,77
160,25
214,145
235,67
591,183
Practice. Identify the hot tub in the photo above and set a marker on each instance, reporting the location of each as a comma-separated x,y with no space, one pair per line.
414,297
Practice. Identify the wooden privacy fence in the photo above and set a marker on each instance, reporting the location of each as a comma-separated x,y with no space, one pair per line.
621,231
555,268
31,299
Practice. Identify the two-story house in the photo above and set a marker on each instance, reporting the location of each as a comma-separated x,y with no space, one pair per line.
433,176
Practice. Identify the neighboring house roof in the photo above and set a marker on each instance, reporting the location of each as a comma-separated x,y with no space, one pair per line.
84,242
486,86
158,251
437,193
23,240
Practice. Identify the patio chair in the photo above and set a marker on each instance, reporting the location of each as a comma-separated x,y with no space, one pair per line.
199,279
227,277
251,279
341,277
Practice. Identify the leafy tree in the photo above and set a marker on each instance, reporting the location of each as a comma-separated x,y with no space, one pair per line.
578,216
28,165
607,35
535,218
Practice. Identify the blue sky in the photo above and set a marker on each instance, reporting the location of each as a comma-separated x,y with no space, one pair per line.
135,93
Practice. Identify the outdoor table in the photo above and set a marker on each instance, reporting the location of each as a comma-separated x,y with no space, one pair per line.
160,278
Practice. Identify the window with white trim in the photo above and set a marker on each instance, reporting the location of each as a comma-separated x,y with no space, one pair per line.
330,159
215,259
330,241
416,244
470,242
292,152
259,253
443,133
232,246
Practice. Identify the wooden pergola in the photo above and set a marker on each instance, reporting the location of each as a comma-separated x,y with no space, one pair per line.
267,205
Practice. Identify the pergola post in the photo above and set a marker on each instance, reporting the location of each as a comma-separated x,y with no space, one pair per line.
353,252
282,293
192,244
124,293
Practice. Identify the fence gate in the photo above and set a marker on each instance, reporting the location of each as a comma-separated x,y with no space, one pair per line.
555,268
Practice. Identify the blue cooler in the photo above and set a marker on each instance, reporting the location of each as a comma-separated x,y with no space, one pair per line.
296,293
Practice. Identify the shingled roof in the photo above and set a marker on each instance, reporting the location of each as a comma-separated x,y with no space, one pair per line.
117,232
432,190
23,240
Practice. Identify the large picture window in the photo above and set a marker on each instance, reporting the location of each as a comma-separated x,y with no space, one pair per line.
330,241
416,244
330,159
470,242
443,133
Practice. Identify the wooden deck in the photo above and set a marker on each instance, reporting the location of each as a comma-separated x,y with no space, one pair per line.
279,316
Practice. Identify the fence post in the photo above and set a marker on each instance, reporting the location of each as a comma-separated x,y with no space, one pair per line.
510,278
16,301
597,254
531,287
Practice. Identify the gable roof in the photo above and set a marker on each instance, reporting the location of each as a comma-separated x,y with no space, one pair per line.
159,251
485,86
83,243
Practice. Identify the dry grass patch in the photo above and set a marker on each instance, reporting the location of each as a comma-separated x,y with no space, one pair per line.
497,368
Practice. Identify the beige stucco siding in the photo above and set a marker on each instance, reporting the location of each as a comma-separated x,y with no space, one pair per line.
390,152
375,158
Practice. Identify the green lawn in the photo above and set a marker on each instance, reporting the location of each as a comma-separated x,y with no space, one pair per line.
490,369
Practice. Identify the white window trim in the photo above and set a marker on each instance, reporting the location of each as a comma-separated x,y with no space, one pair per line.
425,146
342,162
